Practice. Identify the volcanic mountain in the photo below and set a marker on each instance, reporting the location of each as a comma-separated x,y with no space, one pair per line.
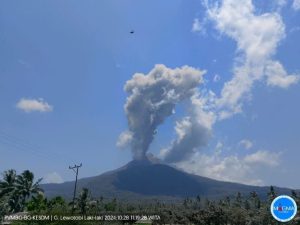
144,179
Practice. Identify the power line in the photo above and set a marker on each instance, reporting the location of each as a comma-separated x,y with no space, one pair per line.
18,147
26,145
16,143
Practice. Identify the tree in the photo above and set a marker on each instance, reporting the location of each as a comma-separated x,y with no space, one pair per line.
255,200
111,206
247,205
57,202
83,200
9,199
37,203
271,194
8,184
16,189
238,200
296,197
26,187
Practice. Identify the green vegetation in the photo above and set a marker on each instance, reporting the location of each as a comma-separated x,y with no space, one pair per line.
15,190
20,193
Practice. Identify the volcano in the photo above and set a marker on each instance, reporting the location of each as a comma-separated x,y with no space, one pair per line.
141,179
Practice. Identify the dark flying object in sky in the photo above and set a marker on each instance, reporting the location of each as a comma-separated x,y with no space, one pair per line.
132,31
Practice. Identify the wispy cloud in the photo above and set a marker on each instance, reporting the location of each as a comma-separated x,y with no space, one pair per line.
24,63
245,143
257,38
53,177
31,105
232,168
296,5
279,4
124,139
262,157
198,26
216,78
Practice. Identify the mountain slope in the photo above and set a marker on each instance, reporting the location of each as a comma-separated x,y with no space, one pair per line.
145,179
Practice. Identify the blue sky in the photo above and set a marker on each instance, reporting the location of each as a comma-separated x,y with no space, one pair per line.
64,64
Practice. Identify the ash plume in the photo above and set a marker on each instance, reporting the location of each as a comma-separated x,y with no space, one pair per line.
193,132
152,98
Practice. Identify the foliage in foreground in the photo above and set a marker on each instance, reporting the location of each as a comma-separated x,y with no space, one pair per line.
241,210
16,190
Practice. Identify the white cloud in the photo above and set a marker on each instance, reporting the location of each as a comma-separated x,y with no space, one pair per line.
296,5
264,158
217,78
31,105
197,26
277,76
280,4
232,168
124,139
219,147
53,177
247,144
294,29
257,38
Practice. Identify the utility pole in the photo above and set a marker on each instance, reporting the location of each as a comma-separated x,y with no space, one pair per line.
75,169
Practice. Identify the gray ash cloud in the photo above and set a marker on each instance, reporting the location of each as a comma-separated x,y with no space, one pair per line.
152,98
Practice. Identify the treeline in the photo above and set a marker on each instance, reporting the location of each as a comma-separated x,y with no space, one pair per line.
20,193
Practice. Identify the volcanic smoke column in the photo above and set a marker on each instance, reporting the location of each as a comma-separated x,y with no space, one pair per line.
152,98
